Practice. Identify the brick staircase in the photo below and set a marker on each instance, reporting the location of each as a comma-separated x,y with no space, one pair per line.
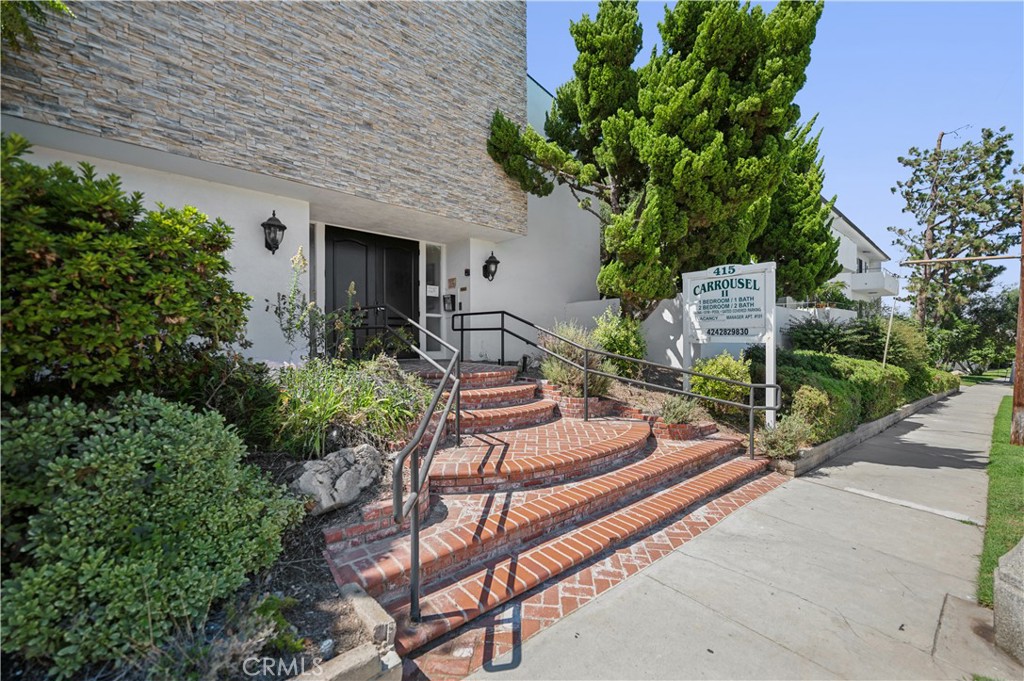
529,496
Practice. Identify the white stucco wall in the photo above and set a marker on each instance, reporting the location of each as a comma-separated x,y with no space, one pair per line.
257,272
556,263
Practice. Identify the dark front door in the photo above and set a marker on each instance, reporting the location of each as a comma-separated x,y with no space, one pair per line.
379,269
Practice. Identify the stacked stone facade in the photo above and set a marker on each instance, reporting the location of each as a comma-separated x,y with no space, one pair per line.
388,101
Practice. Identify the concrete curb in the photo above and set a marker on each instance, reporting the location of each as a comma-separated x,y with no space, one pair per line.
816,456
374,661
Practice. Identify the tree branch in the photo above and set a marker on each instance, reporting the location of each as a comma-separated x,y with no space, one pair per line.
586,208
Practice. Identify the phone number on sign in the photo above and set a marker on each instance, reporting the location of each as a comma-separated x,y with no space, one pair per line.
728,332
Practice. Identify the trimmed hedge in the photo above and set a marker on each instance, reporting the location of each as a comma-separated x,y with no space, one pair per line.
835,394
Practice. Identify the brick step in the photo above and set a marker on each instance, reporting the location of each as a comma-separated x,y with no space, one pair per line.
484,588
492,420
500,396
476,375
549,454
384,566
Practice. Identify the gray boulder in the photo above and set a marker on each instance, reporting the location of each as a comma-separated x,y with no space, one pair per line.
337,479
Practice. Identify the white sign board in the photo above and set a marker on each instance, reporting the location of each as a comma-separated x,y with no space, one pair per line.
727,304
732,304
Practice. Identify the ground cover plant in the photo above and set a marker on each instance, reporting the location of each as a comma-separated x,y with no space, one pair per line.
679,409
784,440
1004,520
328,403
122,523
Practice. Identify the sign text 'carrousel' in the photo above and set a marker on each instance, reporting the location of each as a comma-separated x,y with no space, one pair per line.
727,303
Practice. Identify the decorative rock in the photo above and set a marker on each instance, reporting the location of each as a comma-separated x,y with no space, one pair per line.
338,478
1008,593
326,649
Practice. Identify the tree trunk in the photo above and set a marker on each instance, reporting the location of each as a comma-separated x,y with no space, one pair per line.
929,242
639,312
1017,424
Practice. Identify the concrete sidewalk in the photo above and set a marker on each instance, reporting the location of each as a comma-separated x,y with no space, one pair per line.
863,569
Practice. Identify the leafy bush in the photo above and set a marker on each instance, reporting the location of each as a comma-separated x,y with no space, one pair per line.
567,377
241,390
831,407
138,516
723,366
679,409
908,345
819,335
621,336
942,381
331,403
881,389
786,438
98,292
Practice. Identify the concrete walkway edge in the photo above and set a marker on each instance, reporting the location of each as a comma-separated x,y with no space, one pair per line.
814,457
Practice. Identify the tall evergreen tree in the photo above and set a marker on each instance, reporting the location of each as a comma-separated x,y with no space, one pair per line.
798,236
672,156
967,202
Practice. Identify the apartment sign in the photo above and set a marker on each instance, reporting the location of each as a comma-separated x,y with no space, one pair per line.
730,303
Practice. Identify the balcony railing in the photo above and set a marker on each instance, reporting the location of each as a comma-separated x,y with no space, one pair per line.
875,281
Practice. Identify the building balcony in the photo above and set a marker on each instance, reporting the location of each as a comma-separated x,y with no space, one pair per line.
876,282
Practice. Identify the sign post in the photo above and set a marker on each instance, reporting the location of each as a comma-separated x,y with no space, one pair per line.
732,304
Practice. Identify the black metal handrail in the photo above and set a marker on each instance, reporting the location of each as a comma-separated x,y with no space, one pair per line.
418,472
750,406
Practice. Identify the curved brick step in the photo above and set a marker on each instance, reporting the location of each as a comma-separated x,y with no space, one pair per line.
385,566
492,420
502,579
545,455
475,375
500,396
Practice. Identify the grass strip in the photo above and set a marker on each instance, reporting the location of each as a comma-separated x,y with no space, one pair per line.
1004,525
990,375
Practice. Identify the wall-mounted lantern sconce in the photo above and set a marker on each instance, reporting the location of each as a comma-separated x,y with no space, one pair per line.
273,233
491,267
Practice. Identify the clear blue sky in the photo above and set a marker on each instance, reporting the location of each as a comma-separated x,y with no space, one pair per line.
884,76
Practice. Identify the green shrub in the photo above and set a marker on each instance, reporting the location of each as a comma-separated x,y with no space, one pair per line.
784,440
567,377
679,409
621,336
819,335
942,381
241,390
881,389
140,516
831,407
330,403
722,366
97,292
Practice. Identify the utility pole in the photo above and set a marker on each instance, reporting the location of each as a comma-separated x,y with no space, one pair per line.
1017,423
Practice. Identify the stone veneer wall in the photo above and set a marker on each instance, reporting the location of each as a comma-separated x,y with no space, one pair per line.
389,101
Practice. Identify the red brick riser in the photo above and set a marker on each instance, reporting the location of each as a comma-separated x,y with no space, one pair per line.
377,522
498,581
605,407
490,537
